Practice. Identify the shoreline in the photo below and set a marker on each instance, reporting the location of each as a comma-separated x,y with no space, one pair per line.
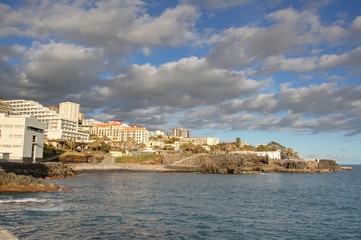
87,167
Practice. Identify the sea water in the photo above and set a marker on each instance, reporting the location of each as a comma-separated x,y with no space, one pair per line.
151,205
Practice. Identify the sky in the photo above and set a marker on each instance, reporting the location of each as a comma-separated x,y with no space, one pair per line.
260,70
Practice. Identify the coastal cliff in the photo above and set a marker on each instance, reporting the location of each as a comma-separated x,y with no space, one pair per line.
247,163
22,177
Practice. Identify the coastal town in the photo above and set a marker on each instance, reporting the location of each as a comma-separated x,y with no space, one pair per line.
27,128
38,142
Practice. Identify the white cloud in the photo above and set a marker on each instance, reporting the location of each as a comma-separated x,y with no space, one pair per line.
116,26
291,33
216,4
186,83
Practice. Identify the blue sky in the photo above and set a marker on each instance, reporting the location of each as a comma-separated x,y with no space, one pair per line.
277,70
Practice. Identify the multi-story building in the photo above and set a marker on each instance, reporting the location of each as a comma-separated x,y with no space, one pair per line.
180,132
21,138
210,141
4,107
118,131
70,110
57,127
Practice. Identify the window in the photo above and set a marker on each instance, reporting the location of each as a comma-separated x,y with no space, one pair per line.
34,129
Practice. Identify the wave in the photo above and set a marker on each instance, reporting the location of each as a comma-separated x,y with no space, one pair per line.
23,201
45,209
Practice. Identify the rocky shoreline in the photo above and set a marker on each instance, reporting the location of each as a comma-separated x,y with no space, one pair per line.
21,177
28,177
221,164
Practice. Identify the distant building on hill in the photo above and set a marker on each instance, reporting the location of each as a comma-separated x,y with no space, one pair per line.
180,132
69,110
21,138
118,131
210,141
269,154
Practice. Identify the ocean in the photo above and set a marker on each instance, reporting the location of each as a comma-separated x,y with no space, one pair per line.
154,205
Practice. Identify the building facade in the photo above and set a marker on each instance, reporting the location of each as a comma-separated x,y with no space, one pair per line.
57,127
21,138
180,132
120,132
210,141
69,110
274,155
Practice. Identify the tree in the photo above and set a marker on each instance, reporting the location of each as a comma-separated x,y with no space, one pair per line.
104,147
94,145
71,144
192,148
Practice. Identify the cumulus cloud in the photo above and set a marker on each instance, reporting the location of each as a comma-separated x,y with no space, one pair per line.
317,108
186,83
116,26
54,70
216,4
290,33
88,52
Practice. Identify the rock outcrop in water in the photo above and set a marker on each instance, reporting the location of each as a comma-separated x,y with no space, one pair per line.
248,164
23,177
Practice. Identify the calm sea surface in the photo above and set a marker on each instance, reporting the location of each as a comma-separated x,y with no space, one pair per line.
126,205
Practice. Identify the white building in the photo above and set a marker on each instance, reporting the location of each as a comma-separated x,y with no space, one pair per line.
180,132
118,131
57,127
69,110
210,141
269,154
21,138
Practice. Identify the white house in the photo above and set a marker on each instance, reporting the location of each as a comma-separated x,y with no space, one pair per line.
269,154
21,138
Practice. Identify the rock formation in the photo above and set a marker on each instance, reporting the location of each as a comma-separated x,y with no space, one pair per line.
22,177
248,163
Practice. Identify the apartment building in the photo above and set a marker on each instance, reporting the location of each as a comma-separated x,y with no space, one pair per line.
180,132
210,141
4,107
118,131
57,127
21,138
69,110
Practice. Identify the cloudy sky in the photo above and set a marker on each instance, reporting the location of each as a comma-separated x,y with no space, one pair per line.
280,70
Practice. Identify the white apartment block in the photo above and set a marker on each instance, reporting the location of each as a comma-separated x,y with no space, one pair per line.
269,154
21,138
210,141
180,132
69,110
119,131
57,127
